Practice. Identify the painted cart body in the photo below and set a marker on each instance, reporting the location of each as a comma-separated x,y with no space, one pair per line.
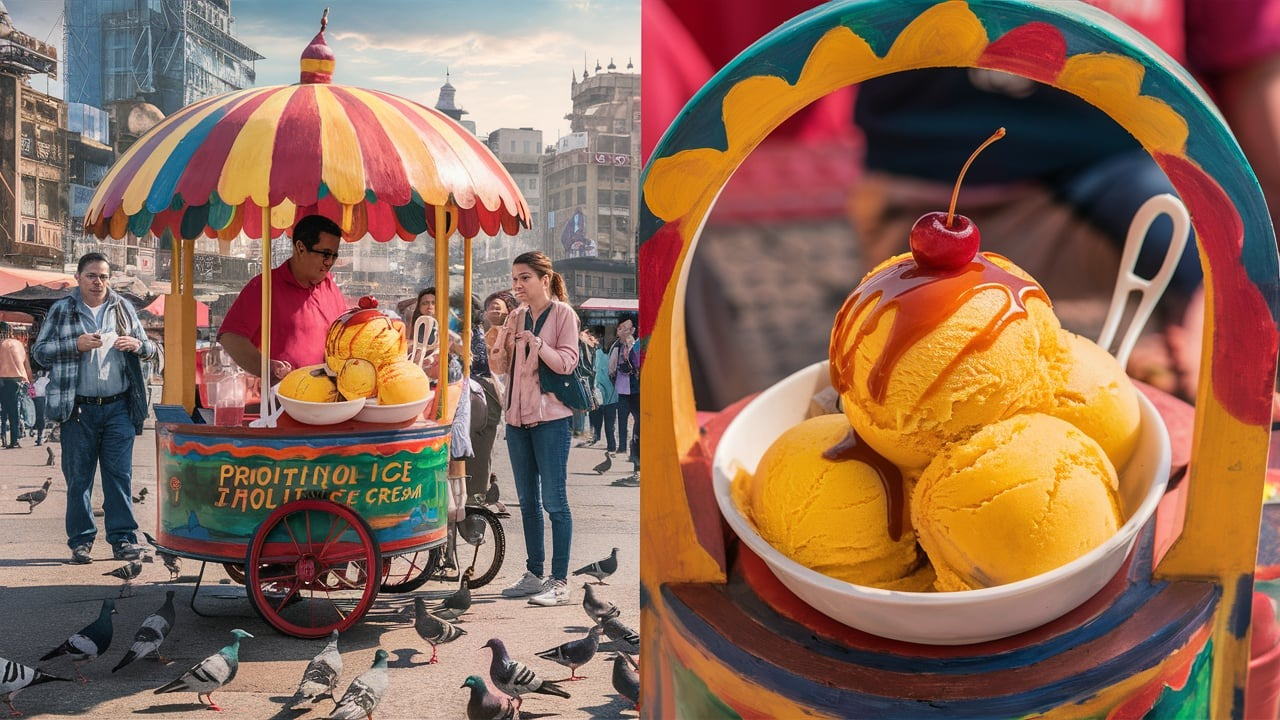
1171,635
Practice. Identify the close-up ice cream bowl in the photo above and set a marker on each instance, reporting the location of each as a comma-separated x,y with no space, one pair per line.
962,468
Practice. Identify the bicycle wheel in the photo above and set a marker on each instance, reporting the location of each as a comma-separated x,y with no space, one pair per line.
406,573
311,567
481,544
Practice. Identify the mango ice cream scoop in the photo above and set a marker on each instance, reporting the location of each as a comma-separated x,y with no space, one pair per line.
1020,497
835,516
1094,394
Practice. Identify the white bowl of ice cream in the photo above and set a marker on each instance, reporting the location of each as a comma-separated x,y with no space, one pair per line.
321,413
939,618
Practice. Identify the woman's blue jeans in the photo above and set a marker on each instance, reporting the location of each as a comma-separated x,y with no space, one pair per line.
540,463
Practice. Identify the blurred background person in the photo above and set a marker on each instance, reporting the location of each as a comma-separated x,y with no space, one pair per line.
604,417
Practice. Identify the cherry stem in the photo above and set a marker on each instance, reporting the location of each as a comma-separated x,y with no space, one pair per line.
951,211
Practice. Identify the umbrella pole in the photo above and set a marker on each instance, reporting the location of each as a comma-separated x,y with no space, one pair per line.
442,313
266,406
174,370
466,307
187,321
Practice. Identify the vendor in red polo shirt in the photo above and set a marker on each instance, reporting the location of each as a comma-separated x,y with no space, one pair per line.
304,302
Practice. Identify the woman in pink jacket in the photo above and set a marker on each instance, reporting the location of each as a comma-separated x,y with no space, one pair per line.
542,330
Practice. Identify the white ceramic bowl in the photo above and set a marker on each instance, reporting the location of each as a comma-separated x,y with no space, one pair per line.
314,413
374,413
950,618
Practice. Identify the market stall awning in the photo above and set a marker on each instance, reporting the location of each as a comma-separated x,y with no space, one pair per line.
14,279
156,308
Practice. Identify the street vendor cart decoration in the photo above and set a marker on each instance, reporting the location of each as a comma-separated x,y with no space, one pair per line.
730,631
314,512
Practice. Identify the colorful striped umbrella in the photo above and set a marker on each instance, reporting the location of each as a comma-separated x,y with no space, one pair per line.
375,163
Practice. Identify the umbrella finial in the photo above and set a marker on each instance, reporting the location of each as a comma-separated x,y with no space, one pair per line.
317,59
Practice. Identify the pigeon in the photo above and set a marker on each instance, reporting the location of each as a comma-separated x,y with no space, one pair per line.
604,466
600,569
141,497
575,653
598,609
16,677
92,641
492,496
171,561
432,628
515,678
35,497
50,460
365,692
127,573
210,673
620,633
625,678
457,603
151,633
320,679
486,705
472,529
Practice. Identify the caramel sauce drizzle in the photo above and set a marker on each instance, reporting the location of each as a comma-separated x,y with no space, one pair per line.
853,447
924,300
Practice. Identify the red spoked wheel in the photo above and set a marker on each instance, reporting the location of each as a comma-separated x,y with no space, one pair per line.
312,567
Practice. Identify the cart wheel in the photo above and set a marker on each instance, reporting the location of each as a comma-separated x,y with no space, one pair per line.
311,567
480,545
235,571
406,573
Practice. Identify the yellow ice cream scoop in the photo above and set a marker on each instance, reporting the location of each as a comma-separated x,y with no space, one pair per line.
923,358
835,515
358,378
1097,396
1021,497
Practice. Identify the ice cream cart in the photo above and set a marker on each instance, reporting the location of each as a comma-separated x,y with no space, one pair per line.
1170,633
314,518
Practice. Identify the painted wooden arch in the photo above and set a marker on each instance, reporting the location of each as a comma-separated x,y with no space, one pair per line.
1068,46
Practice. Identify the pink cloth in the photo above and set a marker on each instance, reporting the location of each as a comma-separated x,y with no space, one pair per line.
13,359
300,316
528,405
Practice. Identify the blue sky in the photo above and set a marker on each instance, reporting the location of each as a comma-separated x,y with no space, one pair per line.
510,60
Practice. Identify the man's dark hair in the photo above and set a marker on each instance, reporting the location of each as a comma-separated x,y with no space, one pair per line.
91,257
308,230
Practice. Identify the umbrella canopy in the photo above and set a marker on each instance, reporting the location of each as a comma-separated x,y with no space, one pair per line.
372,162
156,308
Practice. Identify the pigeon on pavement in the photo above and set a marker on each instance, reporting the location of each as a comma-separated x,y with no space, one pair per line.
625,678
127,573
92,641
493,496
618,632
600,569
320,679
141,497
171,561
35,497
432,628
149,636
487,705
457,603
515,678
598,609
50,460
210,673
365,692
604,466
575,653
16,677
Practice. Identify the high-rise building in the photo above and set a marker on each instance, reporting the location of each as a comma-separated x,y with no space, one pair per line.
520,152
590,189
33,154
169,53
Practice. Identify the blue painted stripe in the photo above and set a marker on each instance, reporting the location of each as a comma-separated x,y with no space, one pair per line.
166,180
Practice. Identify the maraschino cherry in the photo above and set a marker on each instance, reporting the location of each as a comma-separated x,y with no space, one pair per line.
369,302
945,242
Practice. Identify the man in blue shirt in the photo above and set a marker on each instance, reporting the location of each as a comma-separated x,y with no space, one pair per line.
94,345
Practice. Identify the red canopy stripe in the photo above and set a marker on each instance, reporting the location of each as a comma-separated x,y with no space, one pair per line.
383,171
207,164
296,161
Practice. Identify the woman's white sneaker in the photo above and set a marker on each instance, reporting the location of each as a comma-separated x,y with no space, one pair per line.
556,593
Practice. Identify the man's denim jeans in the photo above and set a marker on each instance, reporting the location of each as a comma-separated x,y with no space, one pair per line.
99,436
539,461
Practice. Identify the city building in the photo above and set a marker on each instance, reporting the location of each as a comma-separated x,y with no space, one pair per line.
590,189
33,163
170,53
520,152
